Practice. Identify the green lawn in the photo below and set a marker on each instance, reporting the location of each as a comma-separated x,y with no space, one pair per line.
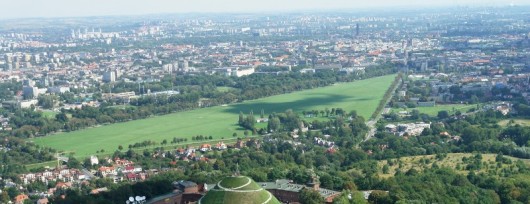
225,88
49,113
219,121
433,111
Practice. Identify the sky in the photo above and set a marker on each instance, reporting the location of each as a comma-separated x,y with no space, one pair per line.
10,9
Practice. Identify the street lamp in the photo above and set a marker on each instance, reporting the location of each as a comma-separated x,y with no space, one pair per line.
136,200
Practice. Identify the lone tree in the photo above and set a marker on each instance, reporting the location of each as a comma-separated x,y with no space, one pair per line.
241,118
443,114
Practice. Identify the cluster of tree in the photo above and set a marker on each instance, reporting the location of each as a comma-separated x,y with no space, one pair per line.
325,113
29,123
289,120
247,122
178,140
475,96
434,185
145,143
522,109
386,145
310,196
201,137
15,153
9,89
48,101
478,132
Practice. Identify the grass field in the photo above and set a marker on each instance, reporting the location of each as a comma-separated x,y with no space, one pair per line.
220,121
49,113
453,160
433,111
522,122
225,88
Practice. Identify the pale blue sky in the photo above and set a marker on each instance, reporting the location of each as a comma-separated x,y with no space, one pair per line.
62,8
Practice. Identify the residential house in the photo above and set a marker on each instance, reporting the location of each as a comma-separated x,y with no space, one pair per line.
122,162
63,185
94,160
181,151
206,147
190,150
128,169
104,171
19,199
220,146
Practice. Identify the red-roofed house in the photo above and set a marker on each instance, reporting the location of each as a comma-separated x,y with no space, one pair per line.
220,146
19,199
63,185
104,171
131,177
181,151
206,147
128,169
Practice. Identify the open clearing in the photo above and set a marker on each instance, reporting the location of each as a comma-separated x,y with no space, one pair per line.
219,122
453,161
433,111
225,88
521,122
48,113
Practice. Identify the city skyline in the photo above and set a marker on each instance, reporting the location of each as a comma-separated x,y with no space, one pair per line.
82,8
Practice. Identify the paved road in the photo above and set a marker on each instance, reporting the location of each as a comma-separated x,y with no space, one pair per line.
371,123
88,174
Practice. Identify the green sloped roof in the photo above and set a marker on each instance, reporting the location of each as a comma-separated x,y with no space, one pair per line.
238,189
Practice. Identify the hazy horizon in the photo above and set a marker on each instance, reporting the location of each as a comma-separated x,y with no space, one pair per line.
81,8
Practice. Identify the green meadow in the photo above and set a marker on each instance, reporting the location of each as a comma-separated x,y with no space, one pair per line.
219,122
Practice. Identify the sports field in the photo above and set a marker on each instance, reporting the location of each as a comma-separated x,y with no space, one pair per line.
220,121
